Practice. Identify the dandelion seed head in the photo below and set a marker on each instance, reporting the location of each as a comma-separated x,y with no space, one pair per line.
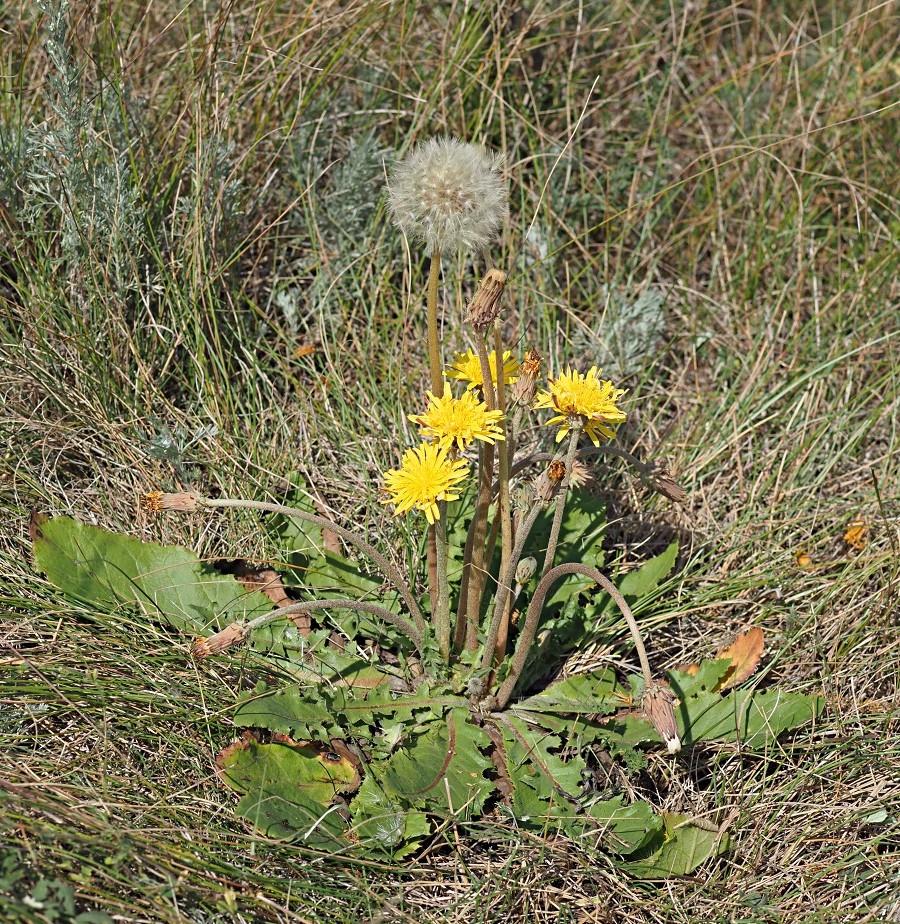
449,194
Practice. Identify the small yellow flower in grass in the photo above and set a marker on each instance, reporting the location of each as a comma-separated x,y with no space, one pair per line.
458,421
573,394
467,368
426,476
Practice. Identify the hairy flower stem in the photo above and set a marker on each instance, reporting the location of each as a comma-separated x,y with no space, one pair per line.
389,570
437,388
503,511
645,469
441,613
239,631
571,451
478,531
478,528
434,350
507,577
533,617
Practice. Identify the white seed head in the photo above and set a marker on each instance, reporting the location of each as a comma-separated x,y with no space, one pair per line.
448,194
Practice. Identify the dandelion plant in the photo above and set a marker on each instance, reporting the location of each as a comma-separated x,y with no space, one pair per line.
401,710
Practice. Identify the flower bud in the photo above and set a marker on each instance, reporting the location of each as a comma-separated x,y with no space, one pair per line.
548,482
230,635
525,570
156,501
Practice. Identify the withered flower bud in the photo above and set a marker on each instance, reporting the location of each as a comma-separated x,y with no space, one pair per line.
485,304
581,474
230,635
548,482
658,706
155,501
522,390
661,481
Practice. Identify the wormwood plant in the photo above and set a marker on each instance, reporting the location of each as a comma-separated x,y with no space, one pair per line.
403,712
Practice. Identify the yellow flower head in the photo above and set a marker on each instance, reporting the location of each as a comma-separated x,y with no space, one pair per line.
572,394
467,368
425,477
459,420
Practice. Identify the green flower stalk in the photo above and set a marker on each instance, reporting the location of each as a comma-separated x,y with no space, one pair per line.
449,195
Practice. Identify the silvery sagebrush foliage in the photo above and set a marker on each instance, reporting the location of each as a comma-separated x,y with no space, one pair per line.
449,194
70,183
628,332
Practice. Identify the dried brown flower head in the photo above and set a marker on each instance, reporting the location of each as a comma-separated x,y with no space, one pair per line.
485,304
549,481
523,389
230,635
155,501
556,470
658,707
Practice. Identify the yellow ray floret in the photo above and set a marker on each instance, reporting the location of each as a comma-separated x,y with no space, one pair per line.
425,477
573,394
459,421
467,368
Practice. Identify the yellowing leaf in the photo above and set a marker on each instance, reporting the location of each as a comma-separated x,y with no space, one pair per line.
291,788
744,653
855,536
691,669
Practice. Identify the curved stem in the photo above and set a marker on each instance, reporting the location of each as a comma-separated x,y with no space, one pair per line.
238,631
644,468
389,570
533,616
572,449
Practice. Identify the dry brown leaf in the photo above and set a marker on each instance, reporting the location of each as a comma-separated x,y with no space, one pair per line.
268,582
855,536
265,580
36,520
744,653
